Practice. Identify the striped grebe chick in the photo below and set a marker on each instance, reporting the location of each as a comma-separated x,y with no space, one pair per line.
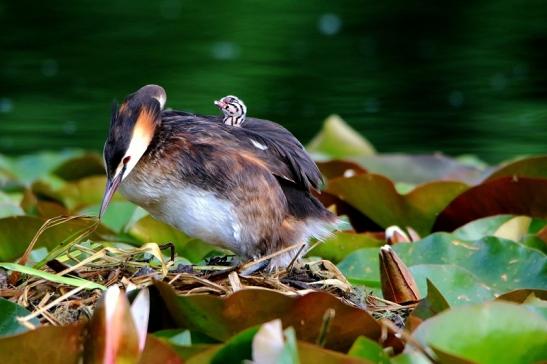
234,110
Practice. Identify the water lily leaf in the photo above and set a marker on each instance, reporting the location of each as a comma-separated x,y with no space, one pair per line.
514,229
147,229
376,197
507,333
86,165
433,304
157,352
17,232
237,349
221,318
342,243
457,284
10,209
501,264
480,228
367,349
504,195
338,140
116,217
523,295
418,169
339,168
29,168
44,342
498,265
527,167
9,311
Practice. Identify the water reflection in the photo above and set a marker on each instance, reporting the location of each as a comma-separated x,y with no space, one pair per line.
458,77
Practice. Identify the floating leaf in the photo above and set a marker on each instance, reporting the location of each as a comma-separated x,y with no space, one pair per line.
17,232
514,229
367,349
493,332
496,265
59,344
86,165
418,169
148,229
9,312
341,244
221,318
504,195
433,304
339,168
337,139
376,197
528,167
457,284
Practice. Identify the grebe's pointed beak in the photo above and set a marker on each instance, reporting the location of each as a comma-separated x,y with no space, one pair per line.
111,187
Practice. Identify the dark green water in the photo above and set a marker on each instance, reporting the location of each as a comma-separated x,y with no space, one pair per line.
456,76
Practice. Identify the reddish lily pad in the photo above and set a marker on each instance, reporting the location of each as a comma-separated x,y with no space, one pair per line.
504,195
221,318
376,197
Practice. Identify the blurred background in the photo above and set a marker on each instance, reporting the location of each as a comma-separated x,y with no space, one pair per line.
453,76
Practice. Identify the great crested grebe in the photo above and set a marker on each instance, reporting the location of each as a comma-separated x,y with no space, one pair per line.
247,189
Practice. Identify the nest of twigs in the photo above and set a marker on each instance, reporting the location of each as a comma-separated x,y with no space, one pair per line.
58,303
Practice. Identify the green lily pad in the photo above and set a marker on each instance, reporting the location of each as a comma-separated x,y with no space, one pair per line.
527,167
18,231
9,311
494,332
150,230
365,348
432,304
376,197
78,167
341,244
338,140
496,264
480,228
457,285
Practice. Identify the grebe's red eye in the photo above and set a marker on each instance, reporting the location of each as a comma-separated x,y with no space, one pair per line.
126,159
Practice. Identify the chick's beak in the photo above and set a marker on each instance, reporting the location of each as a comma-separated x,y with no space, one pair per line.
221,104
111,187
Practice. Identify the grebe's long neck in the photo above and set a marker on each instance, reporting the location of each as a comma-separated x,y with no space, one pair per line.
234,120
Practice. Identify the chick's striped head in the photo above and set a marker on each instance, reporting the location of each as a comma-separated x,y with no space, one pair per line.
234,110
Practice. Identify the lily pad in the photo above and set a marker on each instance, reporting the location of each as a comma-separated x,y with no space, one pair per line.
494,332
338,140
376,197
9,311
417,169
221,318
504,195
498,265
527,167
341,244
17,232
